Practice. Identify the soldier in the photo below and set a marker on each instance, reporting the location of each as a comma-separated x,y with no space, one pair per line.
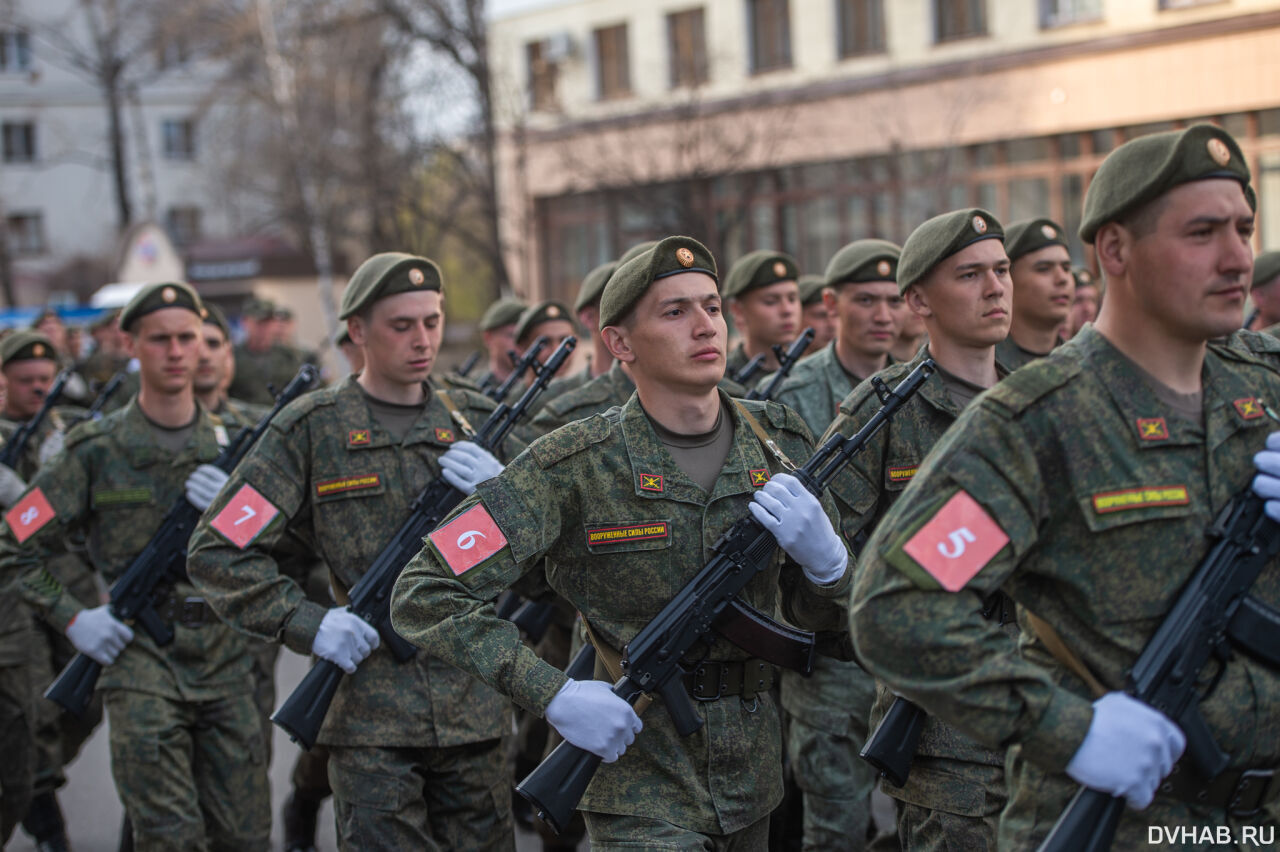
863,298
1085,302
1086,482
262,362
815,314
551,320
1043,289
49,324
911,335
1265,294
763,297
498,330
587,308
186,744
17,714
108,356
953,273
415,756
661,477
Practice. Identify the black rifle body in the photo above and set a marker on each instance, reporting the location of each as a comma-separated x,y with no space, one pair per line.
786,360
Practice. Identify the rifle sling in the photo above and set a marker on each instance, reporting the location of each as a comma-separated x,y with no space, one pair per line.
763,436
1254,627
456,414
612,662
1058,648
762,637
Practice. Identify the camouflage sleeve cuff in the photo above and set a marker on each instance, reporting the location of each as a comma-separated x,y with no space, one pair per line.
301,628
837,589
1054,741
63,610
539,686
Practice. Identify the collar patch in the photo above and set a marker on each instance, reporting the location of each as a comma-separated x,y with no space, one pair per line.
357,437
445,436
623,533
1140,498
1249,407
1153,429
347,483
759,477
651,482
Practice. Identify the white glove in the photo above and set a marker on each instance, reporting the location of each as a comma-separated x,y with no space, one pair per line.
589,715
203,485
465,465
11,486
785,508
344,639
1267,483
52,446
98,634
1129,749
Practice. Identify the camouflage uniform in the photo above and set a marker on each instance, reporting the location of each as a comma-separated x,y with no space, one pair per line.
736,359
594,397
186,746
815,388
1014,356
1105,495
956,787
99,367
607,471
17,715
414,747
255,370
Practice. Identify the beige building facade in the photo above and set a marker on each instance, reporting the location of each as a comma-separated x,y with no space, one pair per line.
803,124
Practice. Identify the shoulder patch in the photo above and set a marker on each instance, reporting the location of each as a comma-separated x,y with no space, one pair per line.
1017,391
569,439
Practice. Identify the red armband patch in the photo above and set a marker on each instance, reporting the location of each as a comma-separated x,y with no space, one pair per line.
244,517
957,542
29,514
468,539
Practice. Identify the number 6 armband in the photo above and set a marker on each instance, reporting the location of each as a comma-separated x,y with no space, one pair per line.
467,541
948,544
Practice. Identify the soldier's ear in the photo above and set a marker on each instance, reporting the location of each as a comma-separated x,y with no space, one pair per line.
917,301
355,328
1113,243
618,342
829,298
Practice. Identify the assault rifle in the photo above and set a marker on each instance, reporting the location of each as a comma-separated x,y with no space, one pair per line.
468,365
163,560
303,712
520,363
749,370
786,360
17,443
1212,610
651,661
100,401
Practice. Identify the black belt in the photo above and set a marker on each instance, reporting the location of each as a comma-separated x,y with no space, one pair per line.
1240,792
712,680
188,612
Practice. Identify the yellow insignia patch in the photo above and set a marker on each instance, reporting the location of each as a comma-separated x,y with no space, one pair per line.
445,436
1153,429
627,532
759,477
357,437
1249,407
903,474
650,482
1140,498
347,483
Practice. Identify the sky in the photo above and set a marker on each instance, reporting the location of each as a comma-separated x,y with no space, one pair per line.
501,8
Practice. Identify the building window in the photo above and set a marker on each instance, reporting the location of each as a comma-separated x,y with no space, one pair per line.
183,225
15,51
613,64
171,50
26,233
687,44
19,142
179,139
542,77
861,27
1058,13
954,19
770,23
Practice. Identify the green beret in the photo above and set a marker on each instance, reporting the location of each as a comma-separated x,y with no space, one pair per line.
636,250
1266,267
1145,168
1084,278
215,316
939,238
156,297
593,285
864,260
811,289
259,309
759,268
388,274
632,279
1024,237
535,315
26,346
505,311
105,320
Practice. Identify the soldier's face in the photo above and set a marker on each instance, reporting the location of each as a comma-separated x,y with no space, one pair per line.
967,298
1084,308
822,320
499,341
167,345
215,359
1043,286
676,334
769,315
28,382
1192,271
868,313
401,336
554,330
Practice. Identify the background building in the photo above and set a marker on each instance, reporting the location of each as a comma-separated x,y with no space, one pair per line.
803,124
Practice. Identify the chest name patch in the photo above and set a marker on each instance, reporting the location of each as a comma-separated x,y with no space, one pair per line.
348,483
903,474
29,514
244,517
468,539
1140,498
627,532
957,542
1153,429
1249,408
121,496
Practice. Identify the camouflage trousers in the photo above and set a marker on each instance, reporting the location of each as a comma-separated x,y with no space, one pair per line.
191,775
59,736
836,785
17,767
634,833
949,805
263,673
422,798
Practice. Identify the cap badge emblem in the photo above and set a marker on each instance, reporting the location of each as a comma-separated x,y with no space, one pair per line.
883,267
684,257
979,224
416,277
168,294
1049,232
1219,151
779,269
38,350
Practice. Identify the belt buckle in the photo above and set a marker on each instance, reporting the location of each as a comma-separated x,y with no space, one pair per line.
1266,777
699,681
192,612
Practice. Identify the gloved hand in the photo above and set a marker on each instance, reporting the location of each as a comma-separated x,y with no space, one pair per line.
1129,749
11,486
52,446
1267,483
589,715
344,639
97,634
203,485
786,508
465,465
